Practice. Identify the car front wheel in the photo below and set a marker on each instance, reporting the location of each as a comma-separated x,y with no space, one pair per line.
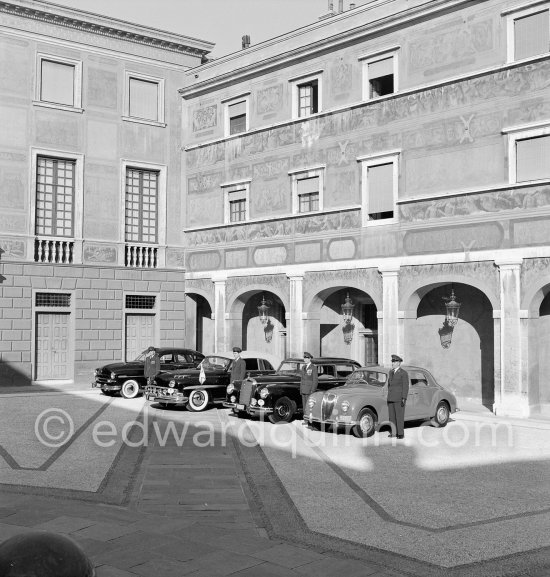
366,425
198,400
130,389
442,415
283,411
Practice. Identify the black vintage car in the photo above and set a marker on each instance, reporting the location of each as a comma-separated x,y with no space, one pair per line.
197,388
127,378
278,395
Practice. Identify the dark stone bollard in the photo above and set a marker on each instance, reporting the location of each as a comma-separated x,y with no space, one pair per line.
43,555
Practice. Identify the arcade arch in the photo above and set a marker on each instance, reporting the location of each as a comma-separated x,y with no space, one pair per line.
199,324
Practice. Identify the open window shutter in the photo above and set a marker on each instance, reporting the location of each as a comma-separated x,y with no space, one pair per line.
380,68
533,158
308,185
380,188
57,83
143,99
532,35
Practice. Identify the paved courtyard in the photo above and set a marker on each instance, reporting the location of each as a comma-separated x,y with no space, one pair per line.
168,492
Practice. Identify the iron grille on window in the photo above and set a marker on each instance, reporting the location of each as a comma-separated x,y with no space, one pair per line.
53,300
141,205
55,186
140,302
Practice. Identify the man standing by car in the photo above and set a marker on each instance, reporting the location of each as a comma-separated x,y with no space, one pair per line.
308,379
238,368
398,389
151,367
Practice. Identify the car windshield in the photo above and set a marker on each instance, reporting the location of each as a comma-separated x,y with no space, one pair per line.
290,367
215,363
141,357
375,378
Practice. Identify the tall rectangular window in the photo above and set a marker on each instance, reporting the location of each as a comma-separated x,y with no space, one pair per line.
55,196
380,73
379,189
237,117
236,201
143,99
531,34
141,206
57,85
308,98
308,194
533,158
237,210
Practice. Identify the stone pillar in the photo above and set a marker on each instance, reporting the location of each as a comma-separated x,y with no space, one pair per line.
390,341
220,322
295,326
512,400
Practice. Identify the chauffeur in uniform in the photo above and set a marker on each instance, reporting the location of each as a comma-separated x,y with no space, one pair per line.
238,368
398,389
308,379
151,366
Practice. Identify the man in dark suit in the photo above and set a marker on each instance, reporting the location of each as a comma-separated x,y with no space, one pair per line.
238,368
308,379
398,389
151,366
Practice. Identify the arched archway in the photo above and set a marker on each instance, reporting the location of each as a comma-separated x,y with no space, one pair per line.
248,330
461,358
327,334
199,326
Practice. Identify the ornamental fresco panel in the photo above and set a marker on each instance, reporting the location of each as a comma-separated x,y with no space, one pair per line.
205,260
201,285
483,271
368,280
205,117
99,253
12,249
531,232
175,258
237,285
533,270
270,99
482,203
341,78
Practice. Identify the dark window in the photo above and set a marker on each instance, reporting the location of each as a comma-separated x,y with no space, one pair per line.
140,302
381,77
251,364
55,186
53,300
237,117
237,210
308,98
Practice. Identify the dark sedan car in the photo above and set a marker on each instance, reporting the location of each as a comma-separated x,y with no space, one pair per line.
197,388
128,379
278,395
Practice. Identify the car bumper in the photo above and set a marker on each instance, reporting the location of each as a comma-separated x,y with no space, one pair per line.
341,421
106,386
251,410
155,395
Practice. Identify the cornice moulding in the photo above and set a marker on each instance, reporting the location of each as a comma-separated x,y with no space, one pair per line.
109,27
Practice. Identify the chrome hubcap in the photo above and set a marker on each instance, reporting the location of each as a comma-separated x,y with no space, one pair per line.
442,414
198,398
366,423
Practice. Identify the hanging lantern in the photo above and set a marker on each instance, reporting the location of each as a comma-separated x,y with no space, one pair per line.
445,334
348,331
452,306
268,331
347,310
263,310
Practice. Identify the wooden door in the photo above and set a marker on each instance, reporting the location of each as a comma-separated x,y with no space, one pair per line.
52,346
140,334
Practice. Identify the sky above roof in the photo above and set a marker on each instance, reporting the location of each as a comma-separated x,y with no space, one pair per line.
223,22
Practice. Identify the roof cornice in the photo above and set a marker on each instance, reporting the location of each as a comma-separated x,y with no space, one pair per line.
106,26
309,49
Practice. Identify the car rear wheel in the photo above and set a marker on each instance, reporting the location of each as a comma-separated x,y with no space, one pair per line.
130,389
366,425
442,415
198,400
283,411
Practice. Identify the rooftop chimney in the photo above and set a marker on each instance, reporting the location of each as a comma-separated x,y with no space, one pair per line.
351,6
340,6
246,41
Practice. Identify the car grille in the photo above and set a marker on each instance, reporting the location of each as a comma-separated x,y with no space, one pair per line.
159,391
246,392
102,379
327,405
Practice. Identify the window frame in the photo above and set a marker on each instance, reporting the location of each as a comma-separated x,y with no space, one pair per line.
301,174
227,120
128,77
372,57
77,82
161,200
295,90
515,14
78,198
241,191
522,133
378,160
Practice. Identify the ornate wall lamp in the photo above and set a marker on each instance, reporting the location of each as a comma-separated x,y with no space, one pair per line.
452,308
347,317
263,310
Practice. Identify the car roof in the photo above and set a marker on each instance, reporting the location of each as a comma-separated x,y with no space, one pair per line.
388,369
321,360
177,350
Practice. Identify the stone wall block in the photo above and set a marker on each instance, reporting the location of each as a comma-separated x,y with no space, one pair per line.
6,324
90,272
54,283
83,283
107,273
100,283
12,292
68,284
38,270
153,275
128,285
10,269
99,304
141,286
91,314
90,294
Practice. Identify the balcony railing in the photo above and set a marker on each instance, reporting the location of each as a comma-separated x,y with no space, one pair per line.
141,256
53,250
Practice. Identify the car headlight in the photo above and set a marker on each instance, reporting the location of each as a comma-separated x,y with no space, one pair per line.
172,383
345,406
230,388
113,375
264,393
97,372
311,403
